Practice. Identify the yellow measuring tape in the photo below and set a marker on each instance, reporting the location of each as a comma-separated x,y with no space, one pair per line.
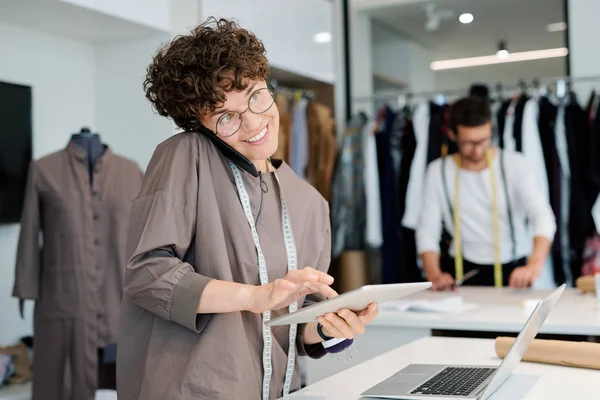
458,260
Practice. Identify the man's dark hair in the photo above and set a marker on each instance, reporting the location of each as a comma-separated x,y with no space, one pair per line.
469,111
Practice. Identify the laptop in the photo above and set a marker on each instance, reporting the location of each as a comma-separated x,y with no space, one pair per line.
429,381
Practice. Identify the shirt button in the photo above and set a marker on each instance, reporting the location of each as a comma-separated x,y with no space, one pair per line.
96,217
95,193
96,242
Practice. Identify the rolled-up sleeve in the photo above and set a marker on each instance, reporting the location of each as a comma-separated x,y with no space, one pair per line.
533,201
316,350
429,229
162,228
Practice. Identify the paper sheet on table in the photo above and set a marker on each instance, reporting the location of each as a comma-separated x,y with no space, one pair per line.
454,304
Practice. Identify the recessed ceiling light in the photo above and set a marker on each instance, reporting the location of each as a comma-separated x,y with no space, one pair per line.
494,59
502,53
556,27
322,37
466,18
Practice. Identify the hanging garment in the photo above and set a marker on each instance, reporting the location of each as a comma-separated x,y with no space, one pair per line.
495,109
321,142
562,146
76,276
511,123
409,267
285,128
188,227
299,141
348,211
593,154
501,118
373,235
532,144
414,191
408,147
581,224
437,131
390,250
548,124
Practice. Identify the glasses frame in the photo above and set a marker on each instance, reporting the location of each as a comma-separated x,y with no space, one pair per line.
271,91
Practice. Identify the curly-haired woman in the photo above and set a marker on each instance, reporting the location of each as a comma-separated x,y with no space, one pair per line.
222,237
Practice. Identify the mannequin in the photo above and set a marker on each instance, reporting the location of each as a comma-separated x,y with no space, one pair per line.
92,145
78,200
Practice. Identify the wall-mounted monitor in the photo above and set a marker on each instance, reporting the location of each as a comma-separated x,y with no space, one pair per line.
15,148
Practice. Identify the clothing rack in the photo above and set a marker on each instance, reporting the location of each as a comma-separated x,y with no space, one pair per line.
290,91
522,85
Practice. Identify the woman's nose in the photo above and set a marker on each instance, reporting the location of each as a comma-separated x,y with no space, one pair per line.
251,122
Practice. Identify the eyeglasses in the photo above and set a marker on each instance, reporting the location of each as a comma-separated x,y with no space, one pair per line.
260,102
474,143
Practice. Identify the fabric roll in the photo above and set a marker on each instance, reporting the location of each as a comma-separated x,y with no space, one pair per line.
558,352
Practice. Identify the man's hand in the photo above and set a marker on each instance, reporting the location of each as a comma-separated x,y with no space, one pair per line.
283,292
442,281
523,277
346,324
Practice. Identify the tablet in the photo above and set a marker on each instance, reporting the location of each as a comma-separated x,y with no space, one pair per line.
355,300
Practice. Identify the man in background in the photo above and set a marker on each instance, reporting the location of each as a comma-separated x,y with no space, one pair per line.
482,199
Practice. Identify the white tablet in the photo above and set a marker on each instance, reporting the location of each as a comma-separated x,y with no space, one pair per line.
355,300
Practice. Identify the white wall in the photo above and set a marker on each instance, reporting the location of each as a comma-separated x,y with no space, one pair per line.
61,73
390,54
361,66
401,59
125,119
155,13
286,27
584,31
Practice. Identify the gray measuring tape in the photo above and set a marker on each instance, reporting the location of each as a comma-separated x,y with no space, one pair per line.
290,249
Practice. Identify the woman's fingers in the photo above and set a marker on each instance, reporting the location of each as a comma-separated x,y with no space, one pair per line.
310,275
329,329
337,326
353,321
368,314
325,290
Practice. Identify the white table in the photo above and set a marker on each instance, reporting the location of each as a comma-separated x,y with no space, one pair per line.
16,392
498,310
530,381
23,392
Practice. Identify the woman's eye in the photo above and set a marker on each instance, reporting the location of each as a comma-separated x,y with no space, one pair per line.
255,96
226,118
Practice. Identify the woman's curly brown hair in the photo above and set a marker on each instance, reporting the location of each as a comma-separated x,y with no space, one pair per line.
191,75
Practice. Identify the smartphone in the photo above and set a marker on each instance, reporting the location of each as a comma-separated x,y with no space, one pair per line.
232,154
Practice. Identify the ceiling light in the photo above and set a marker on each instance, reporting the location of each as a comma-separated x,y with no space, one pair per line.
556,27
502,51
322,37
466,18
494,59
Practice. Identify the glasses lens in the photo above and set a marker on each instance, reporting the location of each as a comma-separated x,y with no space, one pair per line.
261,101
229,124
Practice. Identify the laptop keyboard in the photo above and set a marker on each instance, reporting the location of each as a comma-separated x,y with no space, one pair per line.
454,381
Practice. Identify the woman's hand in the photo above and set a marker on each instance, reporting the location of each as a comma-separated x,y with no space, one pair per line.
347,324
283,292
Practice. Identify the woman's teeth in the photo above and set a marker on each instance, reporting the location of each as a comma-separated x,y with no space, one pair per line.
259,136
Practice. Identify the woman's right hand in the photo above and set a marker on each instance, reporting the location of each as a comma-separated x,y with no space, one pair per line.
283,292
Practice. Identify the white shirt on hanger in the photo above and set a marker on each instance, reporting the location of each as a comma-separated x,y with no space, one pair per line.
374,234
476,210
414,190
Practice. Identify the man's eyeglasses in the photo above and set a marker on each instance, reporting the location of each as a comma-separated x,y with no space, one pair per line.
475,143
260,101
